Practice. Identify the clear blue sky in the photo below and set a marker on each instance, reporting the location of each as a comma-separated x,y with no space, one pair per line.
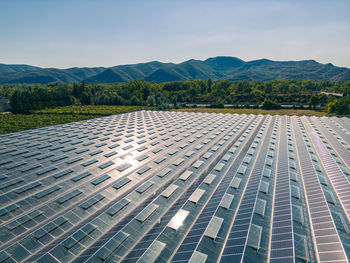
67,33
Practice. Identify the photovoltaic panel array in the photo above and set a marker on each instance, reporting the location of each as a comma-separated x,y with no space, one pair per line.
163,186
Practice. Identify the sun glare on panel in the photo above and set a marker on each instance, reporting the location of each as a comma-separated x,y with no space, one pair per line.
129,158
178,219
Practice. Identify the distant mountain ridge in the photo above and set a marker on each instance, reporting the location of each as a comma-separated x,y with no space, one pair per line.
17,68
230,68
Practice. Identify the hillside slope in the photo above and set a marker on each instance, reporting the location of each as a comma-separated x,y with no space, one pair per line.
230,68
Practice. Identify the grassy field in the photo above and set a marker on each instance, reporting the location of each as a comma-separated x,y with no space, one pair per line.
60,115
259,111
19,122
95,110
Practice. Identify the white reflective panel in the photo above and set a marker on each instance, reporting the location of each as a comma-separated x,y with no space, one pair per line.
178,219
226,201
214,227
152,252
185,175
169,190
198,257
196,196
209,179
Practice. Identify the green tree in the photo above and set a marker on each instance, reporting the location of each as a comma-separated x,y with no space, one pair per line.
77,90
269,104
209,85
102,100
87,98
342,106
346,89
118,100
151,100
309,85
134,101
22,101
219,103
314,101
331,106
339,106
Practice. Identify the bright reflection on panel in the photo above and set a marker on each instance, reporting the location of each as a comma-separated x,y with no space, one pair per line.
178,219
129,158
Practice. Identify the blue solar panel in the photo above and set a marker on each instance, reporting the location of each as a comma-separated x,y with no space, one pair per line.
177,186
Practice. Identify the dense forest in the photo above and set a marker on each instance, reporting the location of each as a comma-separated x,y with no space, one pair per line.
25,98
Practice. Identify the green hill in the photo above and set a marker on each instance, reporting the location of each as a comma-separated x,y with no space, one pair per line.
230,68
17,68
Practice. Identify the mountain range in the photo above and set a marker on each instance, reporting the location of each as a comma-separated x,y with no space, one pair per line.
215,68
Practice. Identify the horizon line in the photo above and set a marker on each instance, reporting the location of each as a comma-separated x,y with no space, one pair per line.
168,62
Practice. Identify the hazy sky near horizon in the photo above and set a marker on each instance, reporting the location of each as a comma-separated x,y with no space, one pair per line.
69,33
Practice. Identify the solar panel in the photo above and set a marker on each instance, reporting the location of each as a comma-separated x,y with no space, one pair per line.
282,226
177,187
315,191
332,169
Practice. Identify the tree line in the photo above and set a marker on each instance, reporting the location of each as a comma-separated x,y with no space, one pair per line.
25,98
